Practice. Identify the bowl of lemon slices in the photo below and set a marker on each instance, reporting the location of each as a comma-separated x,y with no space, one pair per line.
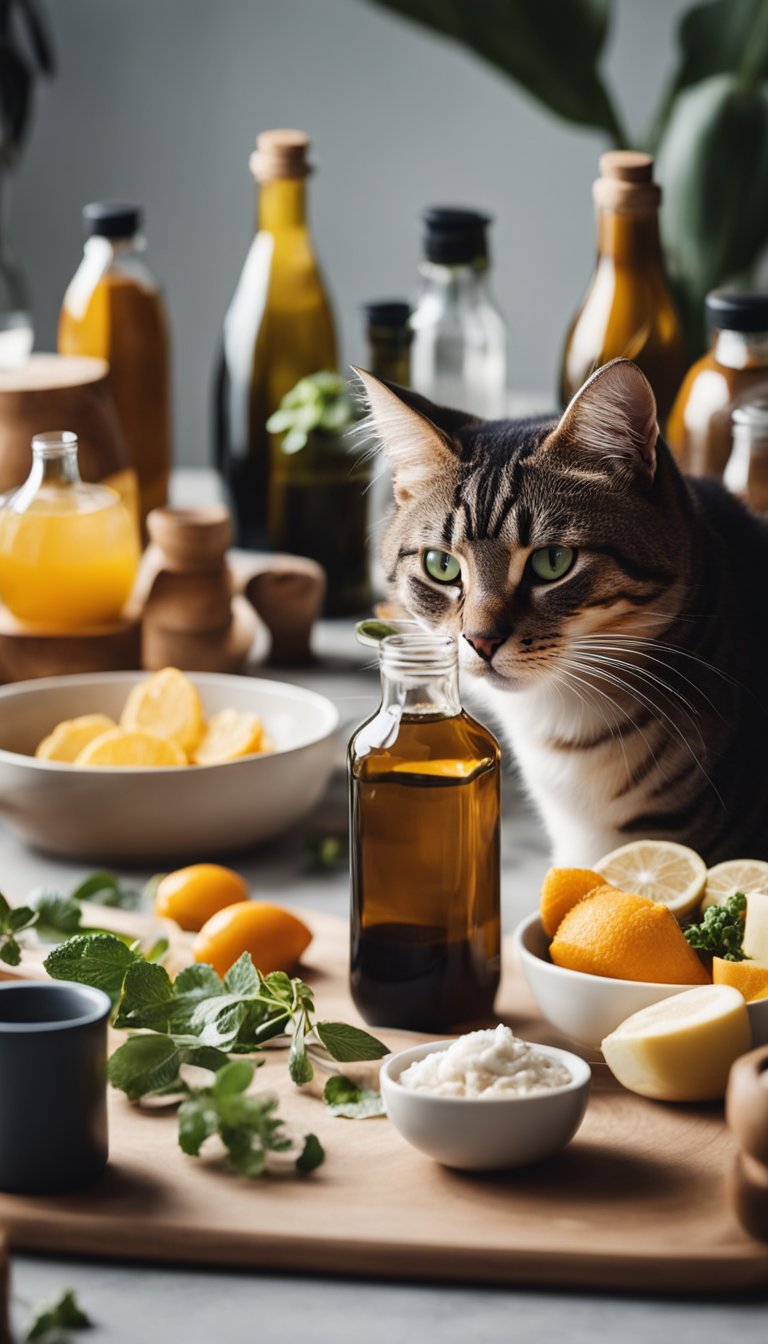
128,767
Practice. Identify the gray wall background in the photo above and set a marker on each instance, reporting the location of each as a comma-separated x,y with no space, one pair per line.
160,101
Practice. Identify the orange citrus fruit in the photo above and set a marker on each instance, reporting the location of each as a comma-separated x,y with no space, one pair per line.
274,937
168,705
560,891
749,979
68,739
191,895
626,937
229,735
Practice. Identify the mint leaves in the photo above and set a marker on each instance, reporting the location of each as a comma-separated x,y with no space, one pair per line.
721,931
247,1125
12,920
344,1098
63,1313
98,959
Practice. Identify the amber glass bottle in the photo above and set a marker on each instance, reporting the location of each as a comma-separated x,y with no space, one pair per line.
113,309
389,337
424,819
628,310
734,370
278,328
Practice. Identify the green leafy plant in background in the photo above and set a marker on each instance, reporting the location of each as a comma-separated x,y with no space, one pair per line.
709,135
319,403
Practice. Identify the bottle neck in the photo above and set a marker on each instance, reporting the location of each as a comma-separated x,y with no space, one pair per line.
629,239
466,283
420,676
282,204
54,463
389,359
740,349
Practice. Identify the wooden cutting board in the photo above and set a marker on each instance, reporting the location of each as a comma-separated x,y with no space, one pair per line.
635,1202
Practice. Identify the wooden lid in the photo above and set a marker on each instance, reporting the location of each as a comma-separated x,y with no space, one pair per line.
46,373
280,154
626,183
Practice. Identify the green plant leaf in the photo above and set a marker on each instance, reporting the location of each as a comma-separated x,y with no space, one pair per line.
104,888
242,979
144,1064
344,1098
311,1156
550,47
147,998
98,959
198,1120
233,1078
348,1044
10,952
199,980
713,165
56,914
63,1313
299,1064
21,917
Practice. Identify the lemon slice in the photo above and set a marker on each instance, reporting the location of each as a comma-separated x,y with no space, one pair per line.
119,747
725,879
168,705
668,873
228,736
682,1048
750,980
69,738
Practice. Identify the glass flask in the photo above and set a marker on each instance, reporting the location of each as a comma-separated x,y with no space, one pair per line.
69,551
424,822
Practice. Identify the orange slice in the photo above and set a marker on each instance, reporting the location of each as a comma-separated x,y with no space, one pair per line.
626,937
750,979
72,736
228,736
168,705
561,889
118,747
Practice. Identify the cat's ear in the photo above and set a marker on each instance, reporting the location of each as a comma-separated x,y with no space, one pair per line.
613,418
418,449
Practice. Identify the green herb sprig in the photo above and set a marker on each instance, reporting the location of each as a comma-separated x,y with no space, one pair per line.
61,1314
198,1018
12,920
721,931
319,402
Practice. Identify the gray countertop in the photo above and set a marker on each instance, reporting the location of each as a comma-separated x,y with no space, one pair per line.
131,1303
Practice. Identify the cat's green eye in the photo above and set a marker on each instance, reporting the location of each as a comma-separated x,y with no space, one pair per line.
552,562
442,566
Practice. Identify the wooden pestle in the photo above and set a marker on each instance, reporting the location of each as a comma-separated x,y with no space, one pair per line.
746,1111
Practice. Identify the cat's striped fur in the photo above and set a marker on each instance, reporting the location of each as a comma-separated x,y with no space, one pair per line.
634,690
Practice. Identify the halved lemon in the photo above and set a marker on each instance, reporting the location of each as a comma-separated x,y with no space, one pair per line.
68,739
228,736
119,747
671,874
725,879
168,705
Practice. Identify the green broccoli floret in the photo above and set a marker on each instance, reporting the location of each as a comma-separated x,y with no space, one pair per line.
721,932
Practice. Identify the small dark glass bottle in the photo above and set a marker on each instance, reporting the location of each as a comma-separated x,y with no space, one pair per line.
424,822
389,335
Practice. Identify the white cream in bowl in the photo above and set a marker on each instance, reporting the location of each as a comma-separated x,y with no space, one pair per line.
493,1063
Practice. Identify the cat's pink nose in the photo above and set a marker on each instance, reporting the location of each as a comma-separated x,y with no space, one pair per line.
485,646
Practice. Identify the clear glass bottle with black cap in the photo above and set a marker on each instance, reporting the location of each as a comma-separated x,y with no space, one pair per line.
459,352
746,473
113,309
424,827
734,370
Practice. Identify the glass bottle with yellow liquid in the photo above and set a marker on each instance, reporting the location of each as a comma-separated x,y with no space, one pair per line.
424,822
113,309
628,310
278,329
69,551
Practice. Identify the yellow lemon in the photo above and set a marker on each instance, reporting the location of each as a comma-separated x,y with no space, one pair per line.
191,895
71,737
118,747
168,705
670,874
725,879
229,734
274,937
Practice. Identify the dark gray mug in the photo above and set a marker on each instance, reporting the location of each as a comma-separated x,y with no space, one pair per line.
53,1086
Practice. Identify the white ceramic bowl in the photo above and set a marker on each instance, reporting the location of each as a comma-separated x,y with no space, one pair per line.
486,1134
143,816
585,1008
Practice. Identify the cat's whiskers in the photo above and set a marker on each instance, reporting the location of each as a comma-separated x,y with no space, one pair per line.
606,649
638,728
574,678
593,661
602,640
613,679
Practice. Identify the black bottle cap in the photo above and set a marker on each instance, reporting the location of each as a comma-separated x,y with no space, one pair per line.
112,219
390,317
455,237
728,310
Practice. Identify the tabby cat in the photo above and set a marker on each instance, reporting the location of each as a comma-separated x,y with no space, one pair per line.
612,610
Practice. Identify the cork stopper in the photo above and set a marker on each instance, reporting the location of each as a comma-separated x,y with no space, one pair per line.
626,183
280,154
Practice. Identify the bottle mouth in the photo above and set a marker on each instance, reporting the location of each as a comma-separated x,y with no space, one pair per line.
54,443
415,653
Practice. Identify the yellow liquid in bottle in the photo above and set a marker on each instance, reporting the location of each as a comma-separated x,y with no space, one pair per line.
66,568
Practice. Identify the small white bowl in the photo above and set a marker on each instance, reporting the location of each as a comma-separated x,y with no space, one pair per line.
486,1134
585,1008
133,815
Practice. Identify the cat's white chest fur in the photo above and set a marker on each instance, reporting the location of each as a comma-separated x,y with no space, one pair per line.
580,794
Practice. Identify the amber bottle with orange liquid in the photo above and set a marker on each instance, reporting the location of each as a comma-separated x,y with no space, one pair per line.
628,310
424,822
113,308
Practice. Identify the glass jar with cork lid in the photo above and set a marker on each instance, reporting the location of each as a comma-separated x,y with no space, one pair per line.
628,311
